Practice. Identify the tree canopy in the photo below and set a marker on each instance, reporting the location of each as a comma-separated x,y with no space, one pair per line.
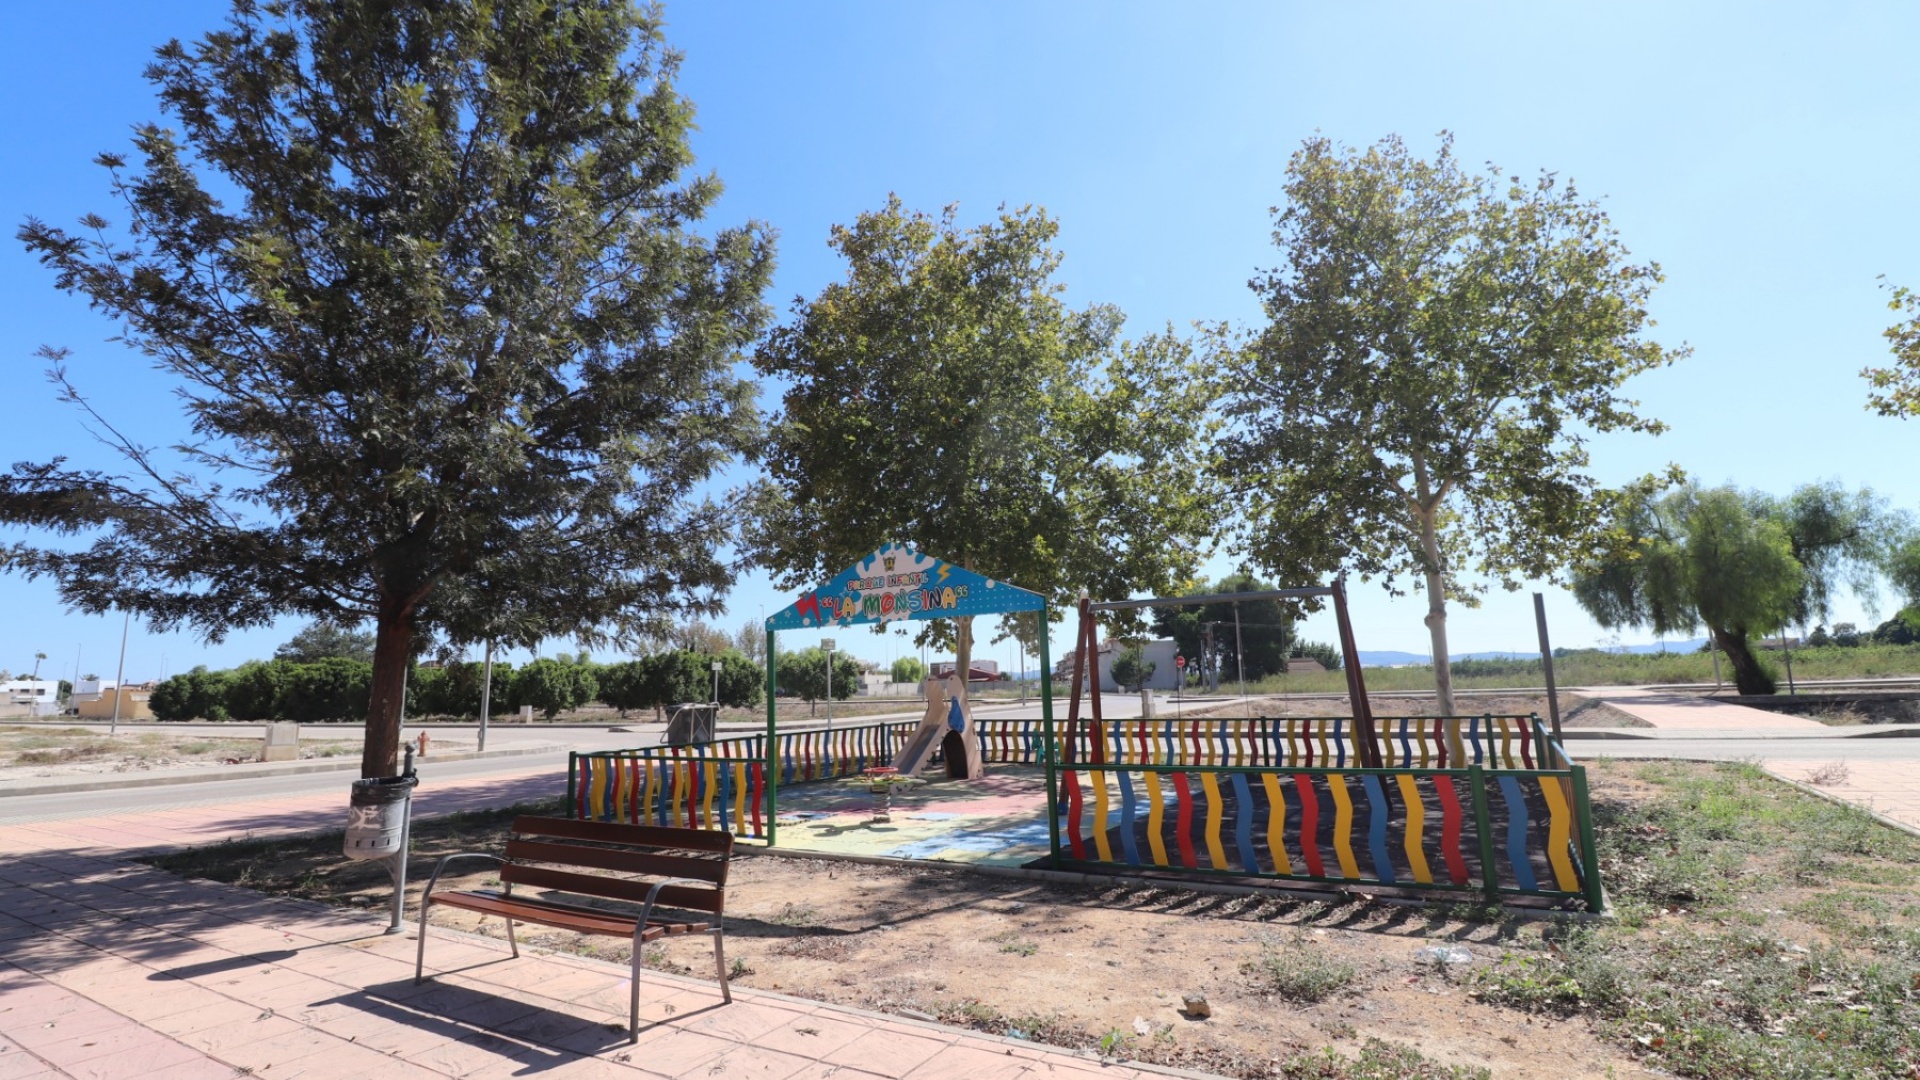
1131,669
804,674
1896,389
944,396
1741,564
455,357
1437,346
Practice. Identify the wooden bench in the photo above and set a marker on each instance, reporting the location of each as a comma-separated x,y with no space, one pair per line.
683,869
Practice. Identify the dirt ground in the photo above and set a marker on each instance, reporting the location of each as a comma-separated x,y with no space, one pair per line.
1073,966
1575,711
37,752
1757,933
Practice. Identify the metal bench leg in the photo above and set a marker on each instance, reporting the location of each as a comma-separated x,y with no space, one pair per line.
511,940
720,965
420,955
633,1009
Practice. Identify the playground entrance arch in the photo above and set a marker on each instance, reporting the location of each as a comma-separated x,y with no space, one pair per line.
896,584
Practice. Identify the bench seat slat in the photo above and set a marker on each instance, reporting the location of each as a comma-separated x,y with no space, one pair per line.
613,832
691,897
565,916
632,862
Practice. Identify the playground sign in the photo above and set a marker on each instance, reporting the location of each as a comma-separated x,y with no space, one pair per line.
896,583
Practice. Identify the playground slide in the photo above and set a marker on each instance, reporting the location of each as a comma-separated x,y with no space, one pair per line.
933,728
919,748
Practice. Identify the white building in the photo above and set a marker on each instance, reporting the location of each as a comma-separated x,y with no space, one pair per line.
87,690
30,697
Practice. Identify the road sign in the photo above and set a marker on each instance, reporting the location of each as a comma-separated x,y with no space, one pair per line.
1179,661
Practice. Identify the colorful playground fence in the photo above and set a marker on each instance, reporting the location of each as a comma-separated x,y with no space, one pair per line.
1495,828
1486,804
720,784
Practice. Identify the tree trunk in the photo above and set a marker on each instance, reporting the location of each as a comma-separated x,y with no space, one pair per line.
392,648
963,648
1437,616
1749,677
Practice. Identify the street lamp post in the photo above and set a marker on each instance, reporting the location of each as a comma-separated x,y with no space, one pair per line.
827,644
717,665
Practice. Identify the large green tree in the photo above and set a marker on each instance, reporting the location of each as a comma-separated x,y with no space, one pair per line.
944,396
1438,345
430,280
1741,564
804,674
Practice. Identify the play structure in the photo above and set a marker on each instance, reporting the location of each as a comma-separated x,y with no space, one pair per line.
900,584
947,727
1487,806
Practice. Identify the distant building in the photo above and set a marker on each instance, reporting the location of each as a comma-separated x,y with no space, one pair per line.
978,670
1161,654
30,697
133,702
1304,665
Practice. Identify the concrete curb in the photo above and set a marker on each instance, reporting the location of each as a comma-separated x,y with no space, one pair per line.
248,771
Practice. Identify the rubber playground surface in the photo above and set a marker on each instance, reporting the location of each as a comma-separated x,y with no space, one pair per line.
1000,820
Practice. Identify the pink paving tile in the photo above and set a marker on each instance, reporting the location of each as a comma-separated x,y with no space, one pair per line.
467,1056
203,1069
135,1061
205,1015
813,1036
35,1032
19,1065
756,1063
666,1051
889,1052
743,1021
974,1063
123,1035
822,1070
226,1040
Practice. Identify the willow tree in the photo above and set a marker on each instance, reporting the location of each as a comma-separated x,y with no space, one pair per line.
1438,346
1741,564
427,280
1699,557
944,396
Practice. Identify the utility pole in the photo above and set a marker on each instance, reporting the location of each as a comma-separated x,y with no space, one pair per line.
827,644
113,726
486,694
1239,651
1546,661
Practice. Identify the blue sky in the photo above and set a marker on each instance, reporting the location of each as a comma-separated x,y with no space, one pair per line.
1765,155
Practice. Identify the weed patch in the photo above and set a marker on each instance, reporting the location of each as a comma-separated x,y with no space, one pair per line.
1299,970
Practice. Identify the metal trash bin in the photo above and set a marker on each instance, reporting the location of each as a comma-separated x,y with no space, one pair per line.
691,723
377,816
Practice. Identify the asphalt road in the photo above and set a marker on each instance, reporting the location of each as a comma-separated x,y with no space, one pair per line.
26,808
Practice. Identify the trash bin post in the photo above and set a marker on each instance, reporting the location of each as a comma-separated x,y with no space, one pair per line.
380,827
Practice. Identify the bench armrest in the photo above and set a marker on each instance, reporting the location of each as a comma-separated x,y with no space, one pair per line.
442,865
646,910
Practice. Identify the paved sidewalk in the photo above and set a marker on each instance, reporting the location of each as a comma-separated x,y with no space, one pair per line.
1673,710
111,969
1888,788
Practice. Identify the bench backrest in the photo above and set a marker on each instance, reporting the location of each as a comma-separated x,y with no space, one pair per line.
647,850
